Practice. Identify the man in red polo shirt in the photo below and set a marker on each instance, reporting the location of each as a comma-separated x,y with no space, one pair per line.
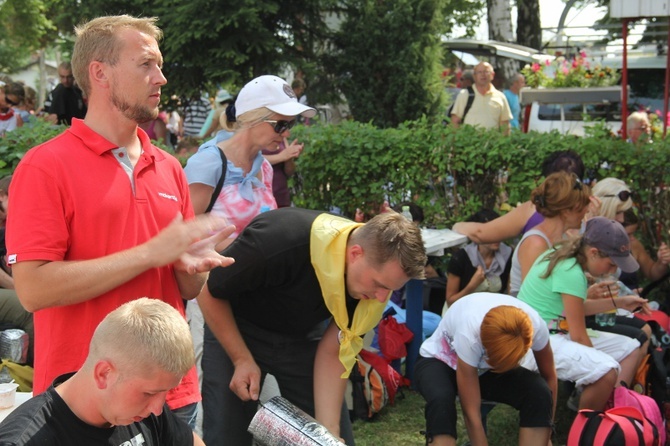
99,216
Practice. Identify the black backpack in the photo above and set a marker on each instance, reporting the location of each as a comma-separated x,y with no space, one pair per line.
471,99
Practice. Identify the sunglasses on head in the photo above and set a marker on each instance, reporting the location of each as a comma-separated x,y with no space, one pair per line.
624,195
281,126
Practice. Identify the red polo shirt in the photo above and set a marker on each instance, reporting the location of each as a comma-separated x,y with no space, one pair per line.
72,200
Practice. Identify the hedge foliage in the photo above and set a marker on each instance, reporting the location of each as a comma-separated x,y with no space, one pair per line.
452,173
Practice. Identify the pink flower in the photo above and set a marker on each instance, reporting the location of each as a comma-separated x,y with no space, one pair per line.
575,63
565,70
535,67
547,62
582,53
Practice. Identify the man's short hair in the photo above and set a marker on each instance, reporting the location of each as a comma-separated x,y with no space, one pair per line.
97,41
298,83
143,334
515,77
65,65
390,236
468,74
636,118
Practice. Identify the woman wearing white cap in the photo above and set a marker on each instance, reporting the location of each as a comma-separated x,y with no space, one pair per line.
263,114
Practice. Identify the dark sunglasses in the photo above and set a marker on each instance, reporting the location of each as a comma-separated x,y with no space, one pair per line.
280,126
9,101
624,195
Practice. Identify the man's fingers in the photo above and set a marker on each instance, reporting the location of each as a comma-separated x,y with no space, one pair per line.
241,389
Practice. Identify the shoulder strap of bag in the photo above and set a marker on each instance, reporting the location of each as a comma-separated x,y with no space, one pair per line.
627,426
471,99
219,185
578,426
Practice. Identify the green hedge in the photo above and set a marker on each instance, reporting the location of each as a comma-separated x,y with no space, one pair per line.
452,173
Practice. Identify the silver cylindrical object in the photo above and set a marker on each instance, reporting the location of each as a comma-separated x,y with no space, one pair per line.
280,423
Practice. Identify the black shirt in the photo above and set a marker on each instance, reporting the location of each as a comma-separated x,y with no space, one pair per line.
46,420
272,282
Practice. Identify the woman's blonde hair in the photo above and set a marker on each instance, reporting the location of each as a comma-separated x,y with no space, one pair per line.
98,40
507,334
560,191
608,190
248,119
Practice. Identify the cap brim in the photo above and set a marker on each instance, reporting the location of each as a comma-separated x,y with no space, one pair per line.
628,264
293,108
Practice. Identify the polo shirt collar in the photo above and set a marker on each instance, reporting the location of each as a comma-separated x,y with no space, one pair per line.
99,145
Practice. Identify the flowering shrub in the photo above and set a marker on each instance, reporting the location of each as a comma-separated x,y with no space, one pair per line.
569,73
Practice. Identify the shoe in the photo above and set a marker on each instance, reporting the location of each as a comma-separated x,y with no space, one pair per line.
573,401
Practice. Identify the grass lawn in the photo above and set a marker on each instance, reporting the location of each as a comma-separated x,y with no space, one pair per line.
400,424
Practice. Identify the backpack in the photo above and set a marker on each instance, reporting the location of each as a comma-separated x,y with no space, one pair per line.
471,99
625,397
620,426
393,338
219,184
651,377
374,384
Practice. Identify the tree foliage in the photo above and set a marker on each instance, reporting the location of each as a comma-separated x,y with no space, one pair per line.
24,24
385,59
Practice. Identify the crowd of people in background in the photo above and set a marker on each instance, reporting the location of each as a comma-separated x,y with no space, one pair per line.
285,292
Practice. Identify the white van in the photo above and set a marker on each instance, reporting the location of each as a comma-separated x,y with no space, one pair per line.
571,110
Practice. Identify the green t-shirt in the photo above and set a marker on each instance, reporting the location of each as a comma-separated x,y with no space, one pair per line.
544,295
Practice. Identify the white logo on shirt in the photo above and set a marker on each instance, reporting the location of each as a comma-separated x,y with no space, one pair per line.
164,195
11,259
138,440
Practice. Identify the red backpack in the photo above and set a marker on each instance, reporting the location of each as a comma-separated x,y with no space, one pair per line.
620,426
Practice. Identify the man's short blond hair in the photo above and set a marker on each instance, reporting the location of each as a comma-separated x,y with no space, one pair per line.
390,236
142,335
637,118
97,40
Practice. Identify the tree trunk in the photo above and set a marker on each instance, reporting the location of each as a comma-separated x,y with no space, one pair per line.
528,29
500,28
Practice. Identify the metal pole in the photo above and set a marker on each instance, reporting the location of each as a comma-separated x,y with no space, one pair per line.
667,87
624,82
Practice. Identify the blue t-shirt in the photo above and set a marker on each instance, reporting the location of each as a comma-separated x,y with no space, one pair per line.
514,106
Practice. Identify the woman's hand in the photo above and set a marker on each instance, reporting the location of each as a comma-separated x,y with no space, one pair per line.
631,303
292,150
602,290
477,278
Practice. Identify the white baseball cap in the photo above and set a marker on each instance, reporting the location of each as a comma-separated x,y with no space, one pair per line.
273,93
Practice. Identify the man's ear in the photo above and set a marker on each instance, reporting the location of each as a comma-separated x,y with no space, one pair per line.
97,73
354,252
103,372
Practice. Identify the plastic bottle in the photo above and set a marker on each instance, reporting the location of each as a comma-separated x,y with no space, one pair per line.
406,213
